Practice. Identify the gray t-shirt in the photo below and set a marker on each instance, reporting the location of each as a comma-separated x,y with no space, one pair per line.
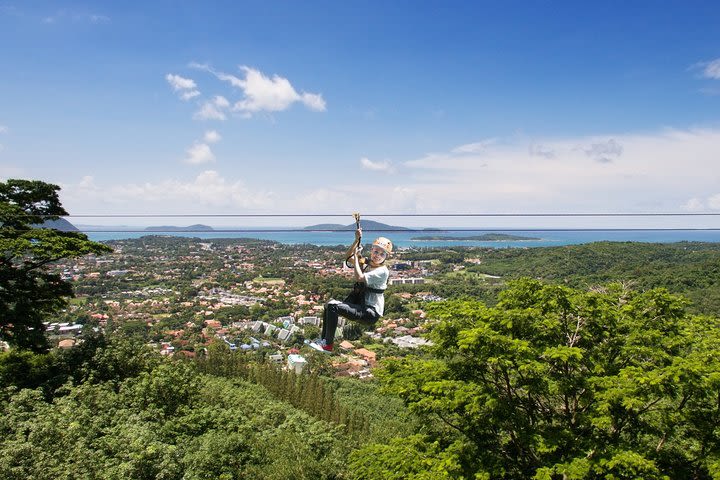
376,278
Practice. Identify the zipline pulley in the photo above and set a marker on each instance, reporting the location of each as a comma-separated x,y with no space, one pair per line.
356,248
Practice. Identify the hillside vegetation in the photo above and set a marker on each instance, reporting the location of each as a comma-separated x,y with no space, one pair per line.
688,268
552,382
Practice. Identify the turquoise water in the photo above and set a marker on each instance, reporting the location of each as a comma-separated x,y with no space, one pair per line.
404,239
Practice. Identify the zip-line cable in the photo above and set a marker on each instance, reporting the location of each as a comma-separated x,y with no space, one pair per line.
427,230
285,230
409,215
407,230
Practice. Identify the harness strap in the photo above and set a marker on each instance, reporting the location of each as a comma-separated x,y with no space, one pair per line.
374,290
362,288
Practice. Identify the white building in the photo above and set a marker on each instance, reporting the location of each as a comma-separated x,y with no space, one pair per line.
296,363
283,334
409,341
310,321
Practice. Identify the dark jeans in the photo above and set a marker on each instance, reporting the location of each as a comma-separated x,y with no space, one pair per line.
365,315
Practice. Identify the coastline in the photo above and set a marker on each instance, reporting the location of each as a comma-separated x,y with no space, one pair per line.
478,241
404,239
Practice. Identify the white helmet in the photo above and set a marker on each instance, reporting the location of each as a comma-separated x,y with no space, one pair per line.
384,243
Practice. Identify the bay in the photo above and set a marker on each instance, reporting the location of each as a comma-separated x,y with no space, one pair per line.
404,239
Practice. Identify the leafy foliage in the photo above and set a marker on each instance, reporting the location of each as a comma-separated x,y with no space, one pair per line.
558,382
165,421
28,293
688,268
413,457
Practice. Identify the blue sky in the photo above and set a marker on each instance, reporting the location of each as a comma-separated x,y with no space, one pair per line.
382,107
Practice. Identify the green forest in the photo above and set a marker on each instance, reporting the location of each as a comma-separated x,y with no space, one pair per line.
551,382
691,269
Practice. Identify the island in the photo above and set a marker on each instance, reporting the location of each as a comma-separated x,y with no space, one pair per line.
368,225
486,237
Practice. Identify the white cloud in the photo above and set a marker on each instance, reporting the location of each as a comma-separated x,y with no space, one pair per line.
180,83
186,88
323,199
188,94
87,182
476,147
265,94
271,94
221,101
213,109
313,101
3,129
712,69
210,189
646,172
208,192
709,203
211,136
389,199
403,199
376,166
96,18
541,151
199,153
714,202
76,17
694,205
231,79
663,171
604,152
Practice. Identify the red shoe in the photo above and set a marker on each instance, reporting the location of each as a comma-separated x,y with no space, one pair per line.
321,346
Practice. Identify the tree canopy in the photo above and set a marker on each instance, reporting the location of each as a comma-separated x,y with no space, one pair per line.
29,294
555,382
550,383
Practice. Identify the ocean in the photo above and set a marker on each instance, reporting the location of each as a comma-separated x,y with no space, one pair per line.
404,239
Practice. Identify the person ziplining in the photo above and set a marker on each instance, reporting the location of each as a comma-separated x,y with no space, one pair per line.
366,303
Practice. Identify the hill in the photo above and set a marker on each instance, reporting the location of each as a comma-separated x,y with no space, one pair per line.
368,225
191,228
59,224
686,268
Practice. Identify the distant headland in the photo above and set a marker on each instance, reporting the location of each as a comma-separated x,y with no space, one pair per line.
59,224
364,224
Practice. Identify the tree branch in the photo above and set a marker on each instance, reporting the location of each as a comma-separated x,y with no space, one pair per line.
450,424
662,442
27,267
